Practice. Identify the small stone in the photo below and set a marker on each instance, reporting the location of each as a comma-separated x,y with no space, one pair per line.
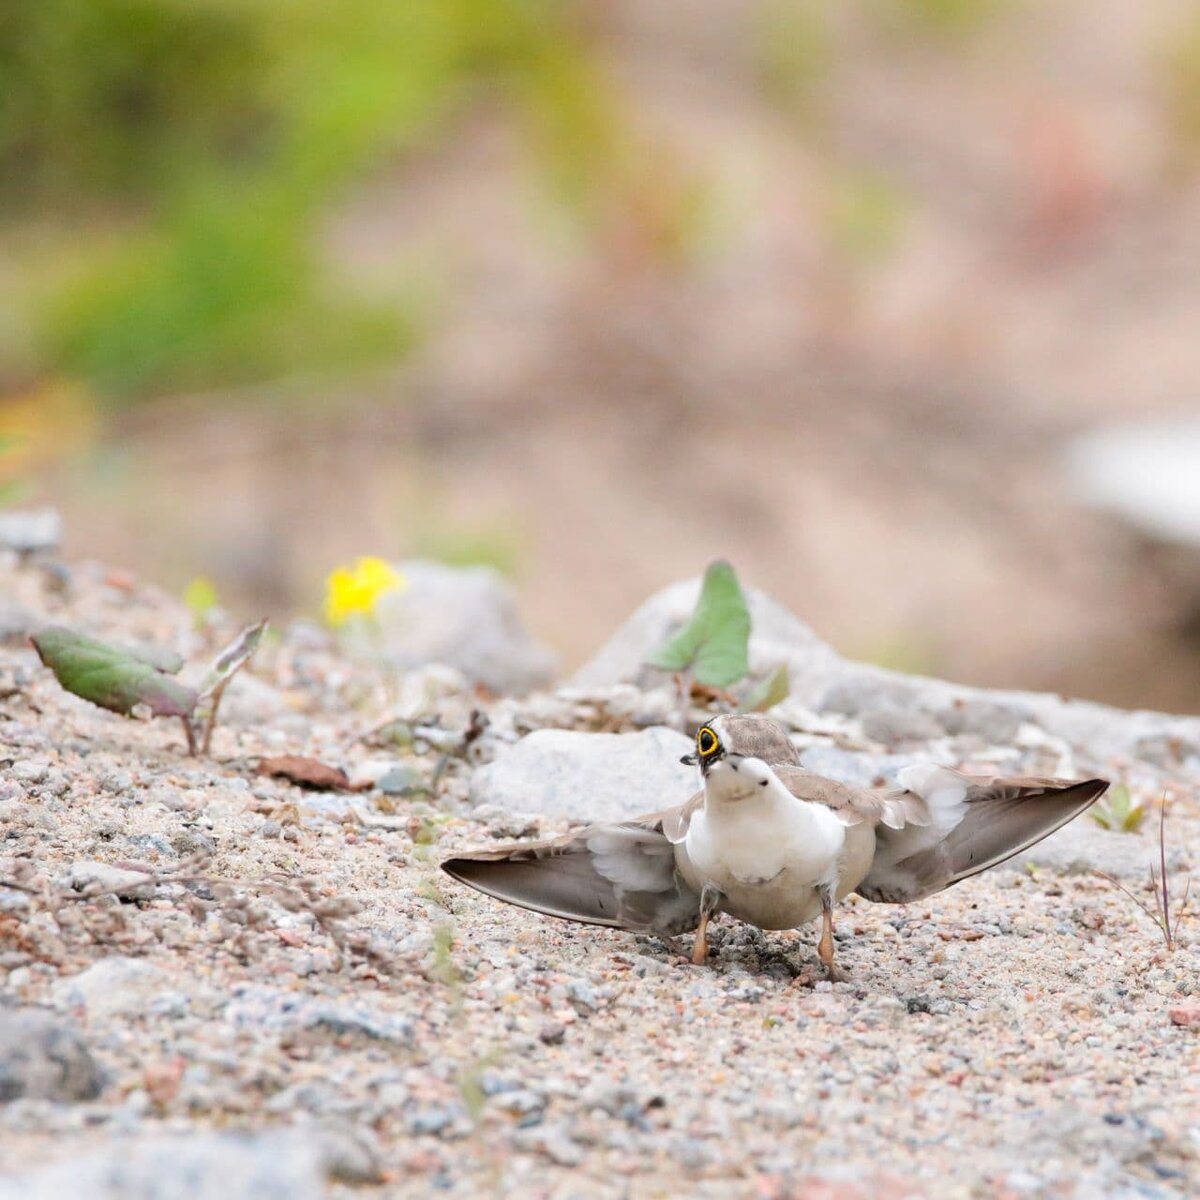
349,1154
995,724
44,1058
201,1166
16,621
1187,1017
432,1121
552,1033
30,531
892,726
29,770
97,878
113,987
402,780
262,1009
15,814
583,996
559,1147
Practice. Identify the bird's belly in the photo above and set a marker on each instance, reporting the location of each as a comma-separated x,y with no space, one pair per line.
788,900
768,865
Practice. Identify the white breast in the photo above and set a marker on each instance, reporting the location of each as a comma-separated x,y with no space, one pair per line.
754,838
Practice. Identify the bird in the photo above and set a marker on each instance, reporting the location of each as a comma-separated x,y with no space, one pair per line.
775,845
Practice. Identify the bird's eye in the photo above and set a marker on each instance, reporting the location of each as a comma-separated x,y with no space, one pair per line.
706,742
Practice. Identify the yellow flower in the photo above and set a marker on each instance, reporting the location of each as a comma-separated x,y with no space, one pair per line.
354,591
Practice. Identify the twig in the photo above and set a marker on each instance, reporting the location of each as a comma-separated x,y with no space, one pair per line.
214,704
1160,886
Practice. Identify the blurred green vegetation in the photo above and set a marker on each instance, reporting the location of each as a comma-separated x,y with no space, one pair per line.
192,147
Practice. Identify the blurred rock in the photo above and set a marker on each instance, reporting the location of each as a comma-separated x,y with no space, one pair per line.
44,1058
1083,847
16,621
996,724
97,878
249,700
777,637
893,726
589,776
276,1166
465,617
263,1009
114,986
30,531
824,682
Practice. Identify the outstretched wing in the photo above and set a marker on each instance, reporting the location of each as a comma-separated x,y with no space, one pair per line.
621,875
969,825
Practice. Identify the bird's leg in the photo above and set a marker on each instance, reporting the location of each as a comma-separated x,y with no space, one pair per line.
825,945
708,905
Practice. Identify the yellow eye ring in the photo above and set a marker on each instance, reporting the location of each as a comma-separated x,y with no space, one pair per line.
706,742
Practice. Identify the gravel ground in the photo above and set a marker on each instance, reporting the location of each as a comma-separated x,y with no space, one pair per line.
296,970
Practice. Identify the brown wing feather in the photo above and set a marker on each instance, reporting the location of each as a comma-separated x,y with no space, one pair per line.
620,875
854,805
1001,817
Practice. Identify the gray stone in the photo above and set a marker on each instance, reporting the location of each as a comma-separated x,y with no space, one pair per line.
28,531
349,1154
894,726
249,700
97,878
275,1166
777,637
16,621
464,617
113,987
44,1058
823,681
1083,848
996,724
16,814
589,776
402,780
272,1010
856,767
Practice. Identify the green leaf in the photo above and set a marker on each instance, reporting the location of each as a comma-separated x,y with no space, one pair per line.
110,676
158,657
1119,812
232,658
772,690
714,644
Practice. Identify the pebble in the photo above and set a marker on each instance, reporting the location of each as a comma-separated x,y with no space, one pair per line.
97,878
117,986
44,1058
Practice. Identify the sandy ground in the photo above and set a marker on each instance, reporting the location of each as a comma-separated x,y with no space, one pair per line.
1024,1034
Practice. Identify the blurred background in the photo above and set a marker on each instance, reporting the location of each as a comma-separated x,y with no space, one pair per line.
895,303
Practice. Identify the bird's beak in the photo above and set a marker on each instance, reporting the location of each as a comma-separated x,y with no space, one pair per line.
689,760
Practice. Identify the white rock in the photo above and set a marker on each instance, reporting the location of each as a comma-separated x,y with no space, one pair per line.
776,637
44,1058
96,878
30,530
464,617
818,672
589,776
273,1166
249,700
113,987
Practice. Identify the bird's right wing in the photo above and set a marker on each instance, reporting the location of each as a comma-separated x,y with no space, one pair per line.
621,875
